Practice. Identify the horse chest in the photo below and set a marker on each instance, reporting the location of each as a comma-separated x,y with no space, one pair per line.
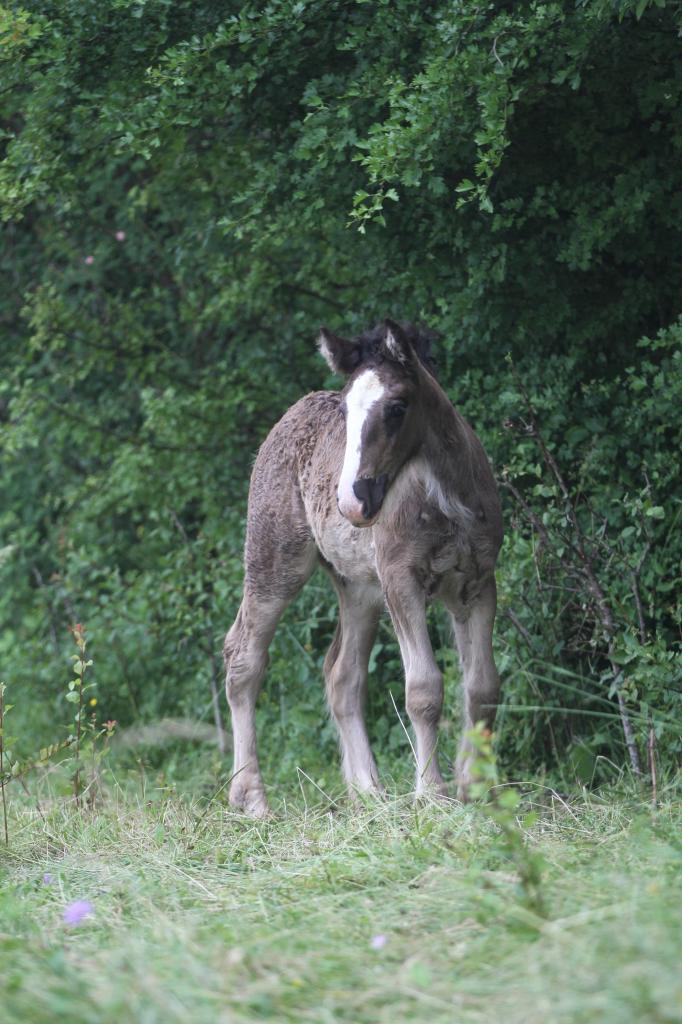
444,565
350,551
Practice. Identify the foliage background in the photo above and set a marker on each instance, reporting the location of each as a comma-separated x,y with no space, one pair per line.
189,189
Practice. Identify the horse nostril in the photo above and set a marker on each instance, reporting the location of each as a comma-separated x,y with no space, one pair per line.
362,489
370,493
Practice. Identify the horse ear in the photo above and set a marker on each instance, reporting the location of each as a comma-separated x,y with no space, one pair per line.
395,343
341,356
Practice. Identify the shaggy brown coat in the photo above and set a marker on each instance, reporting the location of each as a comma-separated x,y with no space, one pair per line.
426,524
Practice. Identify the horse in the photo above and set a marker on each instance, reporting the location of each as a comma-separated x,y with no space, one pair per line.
386,486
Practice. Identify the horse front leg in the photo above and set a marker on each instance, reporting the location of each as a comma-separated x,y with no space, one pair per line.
345,671
473,629
423,680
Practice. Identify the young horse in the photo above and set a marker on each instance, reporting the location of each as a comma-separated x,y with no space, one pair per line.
387,487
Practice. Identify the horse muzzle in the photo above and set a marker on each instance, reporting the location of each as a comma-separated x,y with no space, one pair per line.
369,494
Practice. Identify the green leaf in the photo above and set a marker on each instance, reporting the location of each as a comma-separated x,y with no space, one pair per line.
509,799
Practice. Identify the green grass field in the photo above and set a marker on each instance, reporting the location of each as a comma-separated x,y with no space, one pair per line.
384,912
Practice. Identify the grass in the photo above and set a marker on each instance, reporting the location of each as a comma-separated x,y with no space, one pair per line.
378,913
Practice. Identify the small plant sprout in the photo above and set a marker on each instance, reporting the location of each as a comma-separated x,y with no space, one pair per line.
3,744
75,695
501,804
86,727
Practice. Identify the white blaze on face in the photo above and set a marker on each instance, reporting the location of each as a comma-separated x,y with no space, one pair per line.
366,390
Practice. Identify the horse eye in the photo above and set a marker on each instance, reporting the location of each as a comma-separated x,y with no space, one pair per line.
396,410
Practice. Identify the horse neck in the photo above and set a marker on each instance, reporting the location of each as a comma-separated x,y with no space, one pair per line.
446,447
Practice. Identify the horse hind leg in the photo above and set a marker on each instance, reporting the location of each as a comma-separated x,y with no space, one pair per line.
280,557
246,658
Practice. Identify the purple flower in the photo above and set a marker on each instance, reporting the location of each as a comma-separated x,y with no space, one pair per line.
378,941
48,879
89,260
75,912
120,236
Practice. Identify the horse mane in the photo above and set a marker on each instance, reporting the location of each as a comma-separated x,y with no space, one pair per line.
421,339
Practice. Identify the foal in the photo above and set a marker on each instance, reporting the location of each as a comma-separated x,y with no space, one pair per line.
387,487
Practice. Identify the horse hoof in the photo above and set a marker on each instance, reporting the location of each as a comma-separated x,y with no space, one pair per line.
251,802
366,796
437,791
468,791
